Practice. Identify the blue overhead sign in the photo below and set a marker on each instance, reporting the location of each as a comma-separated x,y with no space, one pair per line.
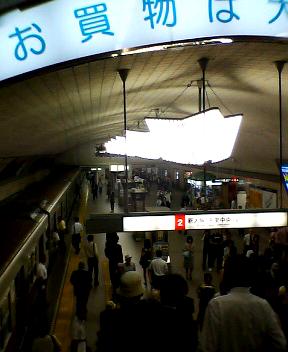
63,30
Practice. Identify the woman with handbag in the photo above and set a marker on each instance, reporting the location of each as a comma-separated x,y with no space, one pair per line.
188,256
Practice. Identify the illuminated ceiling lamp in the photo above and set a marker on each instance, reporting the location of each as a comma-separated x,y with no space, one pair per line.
182,141
196,139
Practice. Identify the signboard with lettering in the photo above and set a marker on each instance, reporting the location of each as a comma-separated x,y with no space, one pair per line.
63,30
204,221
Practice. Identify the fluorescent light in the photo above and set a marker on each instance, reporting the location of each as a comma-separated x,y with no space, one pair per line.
142,50
118,168
182,141
113,168
180,45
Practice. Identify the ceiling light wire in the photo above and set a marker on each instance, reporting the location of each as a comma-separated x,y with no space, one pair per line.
178,96
220,100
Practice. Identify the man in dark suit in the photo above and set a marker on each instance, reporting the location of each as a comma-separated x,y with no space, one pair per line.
82,282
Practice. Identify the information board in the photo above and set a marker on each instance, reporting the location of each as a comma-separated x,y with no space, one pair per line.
204,221
64,30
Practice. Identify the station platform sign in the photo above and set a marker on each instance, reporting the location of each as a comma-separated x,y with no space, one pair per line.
204,221
189,220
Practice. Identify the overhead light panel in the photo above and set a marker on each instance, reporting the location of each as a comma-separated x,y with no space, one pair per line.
204,136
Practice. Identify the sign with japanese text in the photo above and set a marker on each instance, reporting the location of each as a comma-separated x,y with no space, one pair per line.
63,30
204,221
234,221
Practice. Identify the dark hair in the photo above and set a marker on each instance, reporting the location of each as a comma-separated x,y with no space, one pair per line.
112,237
207,277
158,253
76,218
42,258
90,238
237,272
173,289
147,243
189,239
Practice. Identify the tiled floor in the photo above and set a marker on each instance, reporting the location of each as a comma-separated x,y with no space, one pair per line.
101,294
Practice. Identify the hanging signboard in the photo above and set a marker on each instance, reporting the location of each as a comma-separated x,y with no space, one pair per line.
204,221
64,30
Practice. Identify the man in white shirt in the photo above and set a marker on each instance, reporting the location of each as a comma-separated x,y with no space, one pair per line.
240,321
157,269
91,252
76,230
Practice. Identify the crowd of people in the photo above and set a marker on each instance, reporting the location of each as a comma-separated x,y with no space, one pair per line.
247,312
252,295
233,319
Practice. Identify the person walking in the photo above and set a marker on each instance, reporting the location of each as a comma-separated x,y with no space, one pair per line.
146,257
205,292
91,253
78,342
240,321
167,196
158,268
76,230
61,229
112,201
95,191
100,184
188,256
113,251
82,284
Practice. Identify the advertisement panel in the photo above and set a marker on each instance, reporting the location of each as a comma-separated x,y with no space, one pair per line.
64,30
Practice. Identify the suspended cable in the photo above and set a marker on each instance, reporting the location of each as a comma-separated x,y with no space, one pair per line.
178,96
220,100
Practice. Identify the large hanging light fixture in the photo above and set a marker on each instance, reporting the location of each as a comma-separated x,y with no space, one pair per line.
182,141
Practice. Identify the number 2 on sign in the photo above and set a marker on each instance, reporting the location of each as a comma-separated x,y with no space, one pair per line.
179,222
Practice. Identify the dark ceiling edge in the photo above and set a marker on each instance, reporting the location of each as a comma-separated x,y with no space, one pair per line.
22,5
108,55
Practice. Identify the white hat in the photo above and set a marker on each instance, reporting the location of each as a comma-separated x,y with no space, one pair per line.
130,285
249,253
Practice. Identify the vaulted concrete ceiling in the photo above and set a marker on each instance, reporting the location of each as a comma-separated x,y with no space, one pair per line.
72,108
